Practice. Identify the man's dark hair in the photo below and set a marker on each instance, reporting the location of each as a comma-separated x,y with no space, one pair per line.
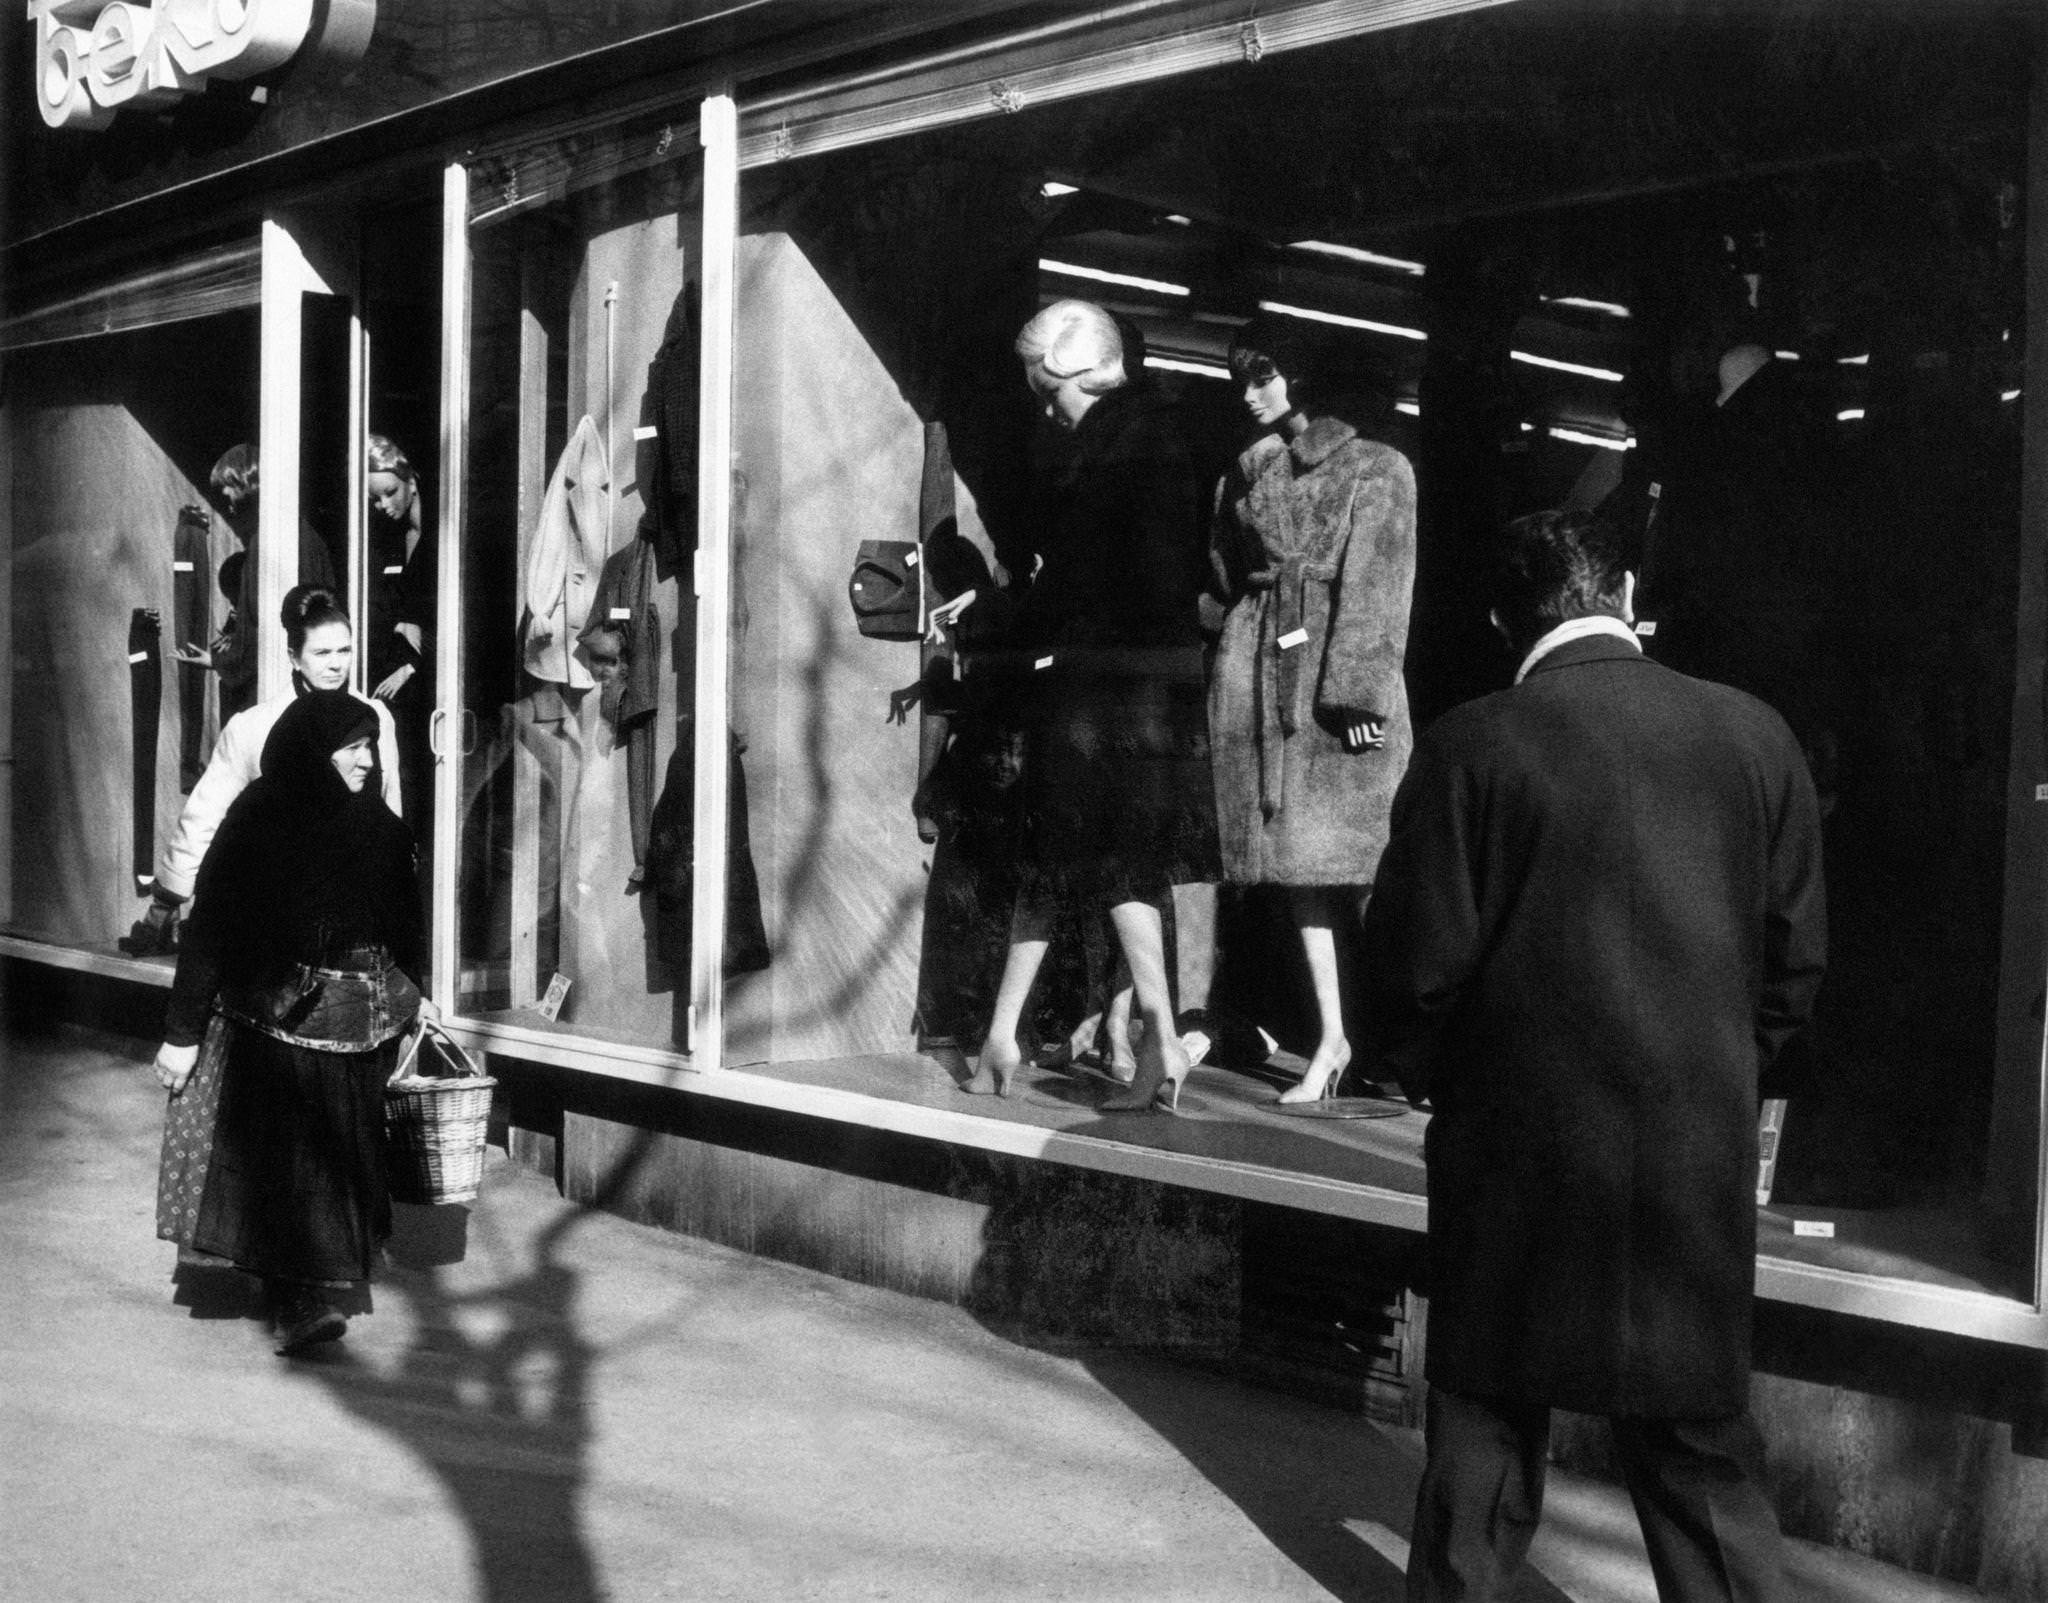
1551,567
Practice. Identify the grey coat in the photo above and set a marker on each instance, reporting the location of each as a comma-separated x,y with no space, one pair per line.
1314,558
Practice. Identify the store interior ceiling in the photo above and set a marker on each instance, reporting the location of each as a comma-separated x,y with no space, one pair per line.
1565,145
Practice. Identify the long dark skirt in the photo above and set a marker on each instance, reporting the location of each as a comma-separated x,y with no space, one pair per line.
296,1189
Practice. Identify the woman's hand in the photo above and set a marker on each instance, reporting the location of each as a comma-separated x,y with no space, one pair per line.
393,682
1368,734
193,656
174,1066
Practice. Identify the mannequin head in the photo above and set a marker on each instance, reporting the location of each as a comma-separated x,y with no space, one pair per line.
393,483
1073,356
235,476
1275,372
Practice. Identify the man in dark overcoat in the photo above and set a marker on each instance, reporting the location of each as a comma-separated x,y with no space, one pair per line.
1599,915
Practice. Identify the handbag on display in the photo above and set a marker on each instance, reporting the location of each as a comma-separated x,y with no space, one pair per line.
887,590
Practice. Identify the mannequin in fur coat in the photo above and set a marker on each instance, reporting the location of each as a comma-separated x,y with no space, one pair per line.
1314,560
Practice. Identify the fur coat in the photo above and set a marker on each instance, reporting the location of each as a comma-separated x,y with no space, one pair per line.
1314,559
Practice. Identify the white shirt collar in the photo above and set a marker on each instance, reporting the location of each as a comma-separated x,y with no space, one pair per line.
1576,629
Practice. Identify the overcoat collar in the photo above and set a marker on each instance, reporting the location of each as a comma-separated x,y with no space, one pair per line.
1590,648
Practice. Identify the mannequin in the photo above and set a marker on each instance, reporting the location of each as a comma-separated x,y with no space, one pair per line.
1116,793
1314,557
398,631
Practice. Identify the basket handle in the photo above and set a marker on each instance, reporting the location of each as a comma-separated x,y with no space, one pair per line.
459,1060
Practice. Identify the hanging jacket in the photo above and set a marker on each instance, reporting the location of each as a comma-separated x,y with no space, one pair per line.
565,560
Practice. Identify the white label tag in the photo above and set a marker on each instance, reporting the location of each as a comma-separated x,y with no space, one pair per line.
138,656
910,559
621,612
181,567
1043,662
1293,638
1646,627
550,1006
1813,1227
393,567
2041,793
645,431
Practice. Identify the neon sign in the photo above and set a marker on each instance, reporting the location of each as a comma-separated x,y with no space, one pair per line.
95,57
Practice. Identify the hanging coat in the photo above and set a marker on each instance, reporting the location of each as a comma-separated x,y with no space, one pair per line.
566,557
1314,556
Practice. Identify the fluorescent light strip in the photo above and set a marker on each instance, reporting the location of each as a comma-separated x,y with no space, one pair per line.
1371,258
1611,308
1310,314
1567,367
1103,276
1580,437
1175,364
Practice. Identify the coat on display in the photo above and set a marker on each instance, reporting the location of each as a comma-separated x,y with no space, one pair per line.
1314,558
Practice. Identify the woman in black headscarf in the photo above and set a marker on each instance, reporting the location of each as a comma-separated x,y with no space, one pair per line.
306,937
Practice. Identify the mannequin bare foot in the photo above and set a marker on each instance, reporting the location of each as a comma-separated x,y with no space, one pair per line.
1325,1070
1000,1060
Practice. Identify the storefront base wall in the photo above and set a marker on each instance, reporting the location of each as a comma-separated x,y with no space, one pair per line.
1907,1446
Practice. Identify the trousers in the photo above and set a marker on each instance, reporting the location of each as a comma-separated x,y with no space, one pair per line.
1697,1486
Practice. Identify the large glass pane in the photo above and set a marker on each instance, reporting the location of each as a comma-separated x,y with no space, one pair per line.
121,553
1791,370
578,638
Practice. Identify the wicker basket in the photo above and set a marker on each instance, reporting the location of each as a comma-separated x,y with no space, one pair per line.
435,1124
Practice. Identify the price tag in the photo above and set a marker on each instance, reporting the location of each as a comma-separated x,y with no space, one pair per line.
910,558
138,656
1293,638
1824,1228
1043,662
549,1006
181,567
1646,627
2041,793
621,612
645,431
392,568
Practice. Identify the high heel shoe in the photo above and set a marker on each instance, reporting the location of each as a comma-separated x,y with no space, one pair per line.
1148,1091
1312,1089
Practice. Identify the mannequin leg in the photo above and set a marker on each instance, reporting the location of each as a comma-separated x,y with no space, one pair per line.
1001,1055
1162,1065
1314,909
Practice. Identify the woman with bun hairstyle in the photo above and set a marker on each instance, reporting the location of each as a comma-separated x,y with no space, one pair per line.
300,965
321,645
1117,798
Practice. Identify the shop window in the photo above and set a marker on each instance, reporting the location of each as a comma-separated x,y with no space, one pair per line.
1797,385
578,647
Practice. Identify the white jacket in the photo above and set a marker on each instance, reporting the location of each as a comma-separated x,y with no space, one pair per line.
237,760
565,558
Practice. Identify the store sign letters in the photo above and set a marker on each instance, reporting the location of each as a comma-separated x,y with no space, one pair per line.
93,58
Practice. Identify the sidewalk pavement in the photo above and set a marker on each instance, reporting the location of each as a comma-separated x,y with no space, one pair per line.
550,1405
